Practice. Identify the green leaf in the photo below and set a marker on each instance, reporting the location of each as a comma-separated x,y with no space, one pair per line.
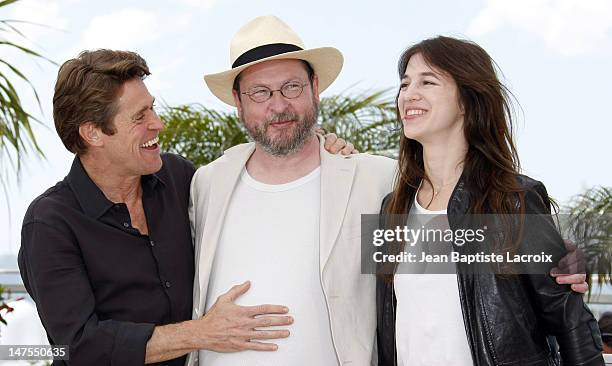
16,134
590,227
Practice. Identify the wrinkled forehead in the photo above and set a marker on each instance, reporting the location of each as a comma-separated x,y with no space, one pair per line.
132,97
273,70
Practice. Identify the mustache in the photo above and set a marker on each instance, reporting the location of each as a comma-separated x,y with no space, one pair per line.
283,116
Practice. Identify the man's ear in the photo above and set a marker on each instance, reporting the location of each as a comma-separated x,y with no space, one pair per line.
315,87
237,101
91,134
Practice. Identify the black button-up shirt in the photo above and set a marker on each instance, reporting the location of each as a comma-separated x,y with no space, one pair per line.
99,285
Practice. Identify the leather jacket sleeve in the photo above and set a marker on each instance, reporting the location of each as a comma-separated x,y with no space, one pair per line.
385,314
562,311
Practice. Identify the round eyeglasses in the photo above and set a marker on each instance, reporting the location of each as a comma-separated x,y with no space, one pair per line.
261,94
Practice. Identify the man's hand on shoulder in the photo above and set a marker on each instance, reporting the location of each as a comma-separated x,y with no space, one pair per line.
335,144
571,269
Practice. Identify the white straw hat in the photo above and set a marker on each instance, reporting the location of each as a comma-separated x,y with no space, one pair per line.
269,38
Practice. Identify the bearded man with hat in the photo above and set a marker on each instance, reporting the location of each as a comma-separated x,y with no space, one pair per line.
281,211
284,213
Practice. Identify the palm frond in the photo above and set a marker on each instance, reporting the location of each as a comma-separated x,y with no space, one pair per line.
16,135
7,2
367,120
199,133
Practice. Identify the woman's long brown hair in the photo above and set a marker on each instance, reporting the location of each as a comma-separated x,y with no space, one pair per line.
491,164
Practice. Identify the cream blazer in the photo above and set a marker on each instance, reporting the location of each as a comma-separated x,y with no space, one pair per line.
350,186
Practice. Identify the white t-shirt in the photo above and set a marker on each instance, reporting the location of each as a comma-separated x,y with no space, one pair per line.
271,237
429,327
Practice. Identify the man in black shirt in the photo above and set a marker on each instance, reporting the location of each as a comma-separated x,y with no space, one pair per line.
107,254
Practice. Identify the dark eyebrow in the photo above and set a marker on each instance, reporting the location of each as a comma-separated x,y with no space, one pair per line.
427,73
141,110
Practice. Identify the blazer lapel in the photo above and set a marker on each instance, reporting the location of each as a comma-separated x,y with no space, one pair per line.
224,178
337,174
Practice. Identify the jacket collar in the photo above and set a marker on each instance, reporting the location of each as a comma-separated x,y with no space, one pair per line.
337,175
458,203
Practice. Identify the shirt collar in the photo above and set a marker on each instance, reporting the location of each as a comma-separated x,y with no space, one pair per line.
93,202
150,181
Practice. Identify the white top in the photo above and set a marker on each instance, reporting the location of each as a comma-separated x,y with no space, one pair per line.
271,237
429,327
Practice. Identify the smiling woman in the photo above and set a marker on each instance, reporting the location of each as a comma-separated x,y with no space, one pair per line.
428,102
457,157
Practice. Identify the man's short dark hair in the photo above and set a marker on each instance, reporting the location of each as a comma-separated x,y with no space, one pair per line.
86,91
309,71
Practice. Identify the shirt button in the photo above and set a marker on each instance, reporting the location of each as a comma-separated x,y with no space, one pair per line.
167,284
125,224
152,243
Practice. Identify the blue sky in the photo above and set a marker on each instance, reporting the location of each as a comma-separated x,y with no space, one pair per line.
555,57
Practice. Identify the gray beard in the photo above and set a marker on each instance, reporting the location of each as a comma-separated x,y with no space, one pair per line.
290,141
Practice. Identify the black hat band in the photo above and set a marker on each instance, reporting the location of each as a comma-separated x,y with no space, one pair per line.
264,51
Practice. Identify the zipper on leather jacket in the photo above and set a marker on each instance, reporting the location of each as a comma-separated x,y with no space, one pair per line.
394,322
468,330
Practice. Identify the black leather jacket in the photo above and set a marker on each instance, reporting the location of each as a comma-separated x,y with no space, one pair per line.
508,321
